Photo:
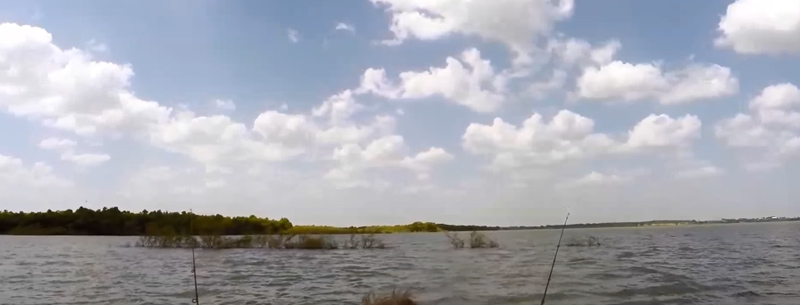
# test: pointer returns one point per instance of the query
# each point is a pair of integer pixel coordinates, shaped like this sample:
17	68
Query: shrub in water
370	242
456	241
479	240
307	242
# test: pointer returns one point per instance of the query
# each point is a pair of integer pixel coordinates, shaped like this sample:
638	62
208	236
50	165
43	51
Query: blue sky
243	119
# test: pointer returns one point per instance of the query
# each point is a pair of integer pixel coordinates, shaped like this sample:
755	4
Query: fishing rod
196	299
554	259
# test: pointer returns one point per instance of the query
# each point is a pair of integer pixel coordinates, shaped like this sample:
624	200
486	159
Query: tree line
112	221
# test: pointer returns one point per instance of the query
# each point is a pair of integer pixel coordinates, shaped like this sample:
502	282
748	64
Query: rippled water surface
715	264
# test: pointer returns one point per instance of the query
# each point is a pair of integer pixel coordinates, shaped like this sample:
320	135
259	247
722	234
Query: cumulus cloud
67	149
574	51
66	89
761	27
26	186
663	131
771	126
596	178
620	81
57	144
523	20
568	136
14	173
87	159
469	81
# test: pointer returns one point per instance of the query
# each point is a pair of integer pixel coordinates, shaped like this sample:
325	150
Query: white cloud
67	149
345	27
620	81
57	144
293	35
699	172
778	105
65	89
382	153
772	126
596	178
522	20
571	137
423	162
340	108
14	173
277	127
540	89
761	27
225	105
743	130
567	136
98	47
664	131
212	140
470	82
85	159
573	51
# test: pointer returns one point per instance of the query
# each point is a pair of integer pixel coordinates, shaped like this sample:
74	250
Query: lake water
714	264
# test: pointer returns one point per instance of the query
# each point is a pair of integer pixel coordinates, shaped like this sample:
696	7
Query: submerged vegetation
302	242
476	240
588	241
329	230
395	298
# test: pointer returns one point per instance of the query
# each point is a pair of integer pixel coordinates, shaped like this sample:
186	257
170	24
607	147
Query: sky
358	112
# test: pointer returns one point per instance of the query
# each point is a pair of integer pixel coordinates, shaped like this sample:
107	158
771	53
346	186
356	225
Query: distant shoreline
639	224
115	222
